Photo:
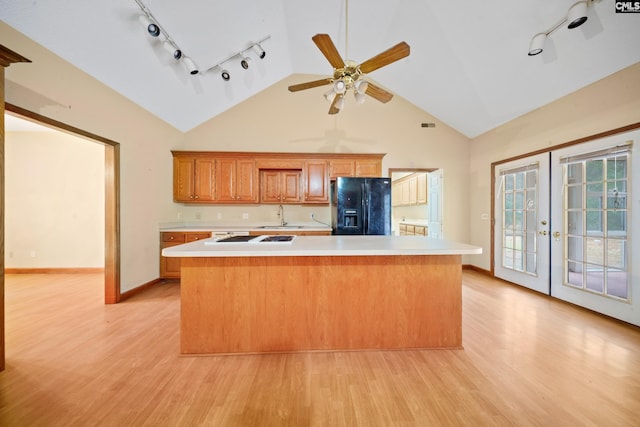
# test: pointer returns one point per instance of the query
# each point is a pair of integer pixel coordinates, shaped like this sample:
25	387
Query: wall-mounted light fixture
576	16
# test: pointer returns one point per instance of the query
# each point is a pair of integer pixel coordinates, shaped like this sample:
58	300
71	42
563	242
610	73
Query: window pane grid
519	221
595	226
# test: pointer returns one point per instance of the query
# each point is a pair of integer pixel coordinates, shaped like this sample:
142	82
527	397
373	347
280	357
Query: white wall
55	89
610	103
277	120
54	201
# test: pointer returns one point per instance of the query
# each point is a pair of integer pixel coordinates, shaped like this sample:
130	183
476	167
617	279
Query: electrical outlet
179	216
198	215
219	215
32	253
245	216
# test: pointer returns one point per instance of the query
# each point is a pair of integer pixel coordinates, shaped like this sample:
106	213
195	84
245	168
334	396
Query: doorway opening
416	201
111	196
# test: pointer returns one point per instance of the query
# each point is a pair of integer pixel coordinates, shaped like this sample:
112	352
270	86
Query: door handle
556	235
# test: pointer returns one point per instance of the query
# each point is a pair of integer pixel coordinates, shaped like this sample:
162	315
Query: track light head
260	50
537	44
577	14
190	65
244	62
153	30
172	49
225	75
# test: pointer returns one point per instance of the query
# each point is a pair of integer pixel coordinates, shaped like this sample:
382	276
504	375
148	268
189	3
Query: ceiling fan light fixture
340	103
577	14
330	95
359	96
361	86
537	44
339	86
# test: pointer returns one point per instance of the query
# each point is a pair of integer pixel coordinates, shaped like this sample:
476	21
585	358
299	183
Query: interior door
435	204
521	241
593	221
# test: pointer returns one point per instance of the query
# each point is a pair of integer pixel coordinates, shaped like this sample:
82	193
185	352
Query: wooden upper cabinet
369	168
316	181
193	179
236	180
237	177
361	167
280	186
340	167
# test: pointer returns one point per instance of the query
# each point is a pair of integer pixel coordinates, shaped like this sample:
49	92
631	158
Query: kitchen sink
280	227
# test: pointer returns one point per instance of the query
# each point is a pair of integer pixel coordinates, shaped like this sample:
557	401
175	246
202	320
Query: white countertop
325	246
238	228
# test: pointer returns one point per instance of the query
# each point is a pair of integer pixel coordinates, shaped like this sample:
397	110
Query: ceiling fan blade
399	51
378	93
337	100
328	49
309	85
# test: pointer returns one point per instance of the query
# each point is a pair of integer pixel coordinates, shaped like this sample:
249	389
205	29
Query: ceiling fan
348	75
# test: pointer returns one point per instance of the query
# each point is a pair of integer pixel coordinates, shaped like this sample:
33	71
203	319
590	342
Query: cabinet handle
171	238
197	197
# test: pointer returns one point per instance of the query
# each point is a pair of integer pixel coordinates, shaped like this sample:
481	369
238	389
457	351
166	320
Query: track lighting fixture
576	16
244	62
260	50
190	66
154	29
172	49
537	44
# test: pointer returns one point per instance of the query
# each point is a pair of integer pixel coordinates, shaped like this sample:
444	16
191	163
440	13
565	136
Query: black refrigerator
361	206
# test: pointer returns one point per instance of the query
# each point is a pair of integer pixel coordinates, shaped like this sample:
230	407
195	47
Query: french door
575	242
595	186
521	238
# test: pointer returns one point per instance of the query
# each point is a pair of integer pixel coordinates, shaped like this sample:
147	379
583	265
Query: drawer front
192	237
171	236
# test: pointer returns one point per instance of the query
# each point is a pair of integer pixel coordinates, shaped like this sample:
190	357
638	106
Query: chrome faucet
281	215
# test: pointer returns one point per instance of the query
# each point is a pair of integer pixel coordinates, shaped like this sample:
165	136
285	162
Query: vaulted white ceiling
468	65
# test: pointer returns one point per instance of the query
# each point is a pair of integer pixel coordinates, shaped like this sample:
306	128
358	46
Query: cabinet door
290	186
339	167
205	178
406	192
422	188
368	168
183	177
413	190
316	182
269	187
225	180
246	190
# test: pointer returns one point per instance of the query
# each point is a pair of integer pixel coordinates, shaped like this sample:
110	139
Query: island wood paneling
279	304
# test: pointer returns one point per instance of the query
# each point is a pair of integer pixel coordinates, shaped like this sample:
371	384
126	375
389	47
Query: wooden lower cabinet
170	266
413	230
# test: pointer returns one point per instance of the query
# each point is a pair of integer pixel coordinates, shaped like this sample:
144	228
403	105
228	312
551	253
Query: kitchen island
320	293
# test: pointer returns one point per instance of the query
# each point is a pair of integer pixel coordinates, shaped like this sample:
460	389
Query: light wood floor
528	360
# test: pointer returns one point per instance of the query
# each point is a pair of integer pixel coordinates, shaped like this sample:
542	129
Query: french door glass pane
595	218
519	224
